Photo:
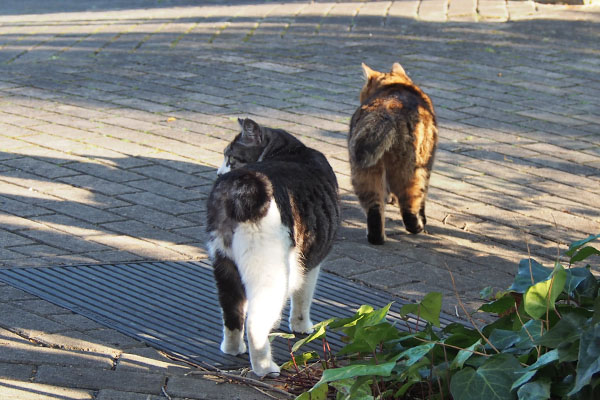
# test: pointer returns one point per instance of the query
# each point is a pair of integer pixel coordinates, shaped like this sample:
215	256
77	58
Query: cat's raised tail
373	135
244	195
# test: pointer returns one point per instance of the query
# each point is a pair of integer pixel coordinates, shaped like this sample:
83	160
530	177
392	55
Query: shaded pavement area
114	115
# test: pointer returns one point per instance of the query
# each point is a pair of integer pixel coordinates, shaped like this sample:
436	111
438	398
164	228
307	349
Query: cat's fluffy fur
392	141
272	216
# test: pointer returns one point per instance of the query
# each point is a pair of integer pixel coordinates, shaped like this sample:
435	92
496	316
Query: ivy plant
544	344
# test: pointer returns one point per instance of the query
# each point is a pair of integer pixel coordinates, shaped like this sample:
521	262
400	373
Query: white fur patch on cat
224	168
262	254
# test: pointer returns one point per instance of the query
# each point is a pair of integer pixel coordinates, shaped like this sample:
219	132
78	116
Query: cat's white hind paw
301	325
271	369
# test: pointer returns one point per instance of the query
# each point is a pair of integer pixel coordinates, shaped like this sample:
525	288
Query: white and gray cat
273	214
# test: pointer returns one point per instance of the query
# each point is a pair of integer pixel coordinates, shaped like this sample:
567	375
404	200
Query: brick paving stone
26	323
97	378
18	372
111	394
21	351
11	389
198	388
147	359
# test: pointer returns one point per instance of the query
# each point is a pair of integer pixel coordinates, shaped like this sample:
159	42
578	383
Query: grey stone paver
114	115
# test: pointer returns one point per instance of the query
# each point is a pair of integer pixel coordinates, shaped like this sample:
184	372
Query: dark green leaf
377	334
499	306
574	278
567	330
530	371
589	357
531	329
583	254
316	393
530	272
491	381
575	245
536	390
464	354
414	354
568	352
596	317
350	389
503	339
354	370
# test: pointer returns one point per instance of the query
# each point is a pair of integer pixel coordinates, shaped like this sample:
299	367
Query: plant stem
462	306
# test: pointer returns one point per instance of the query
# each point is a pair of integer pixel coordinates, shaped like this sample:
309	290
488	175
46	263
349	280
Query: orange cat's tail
370	137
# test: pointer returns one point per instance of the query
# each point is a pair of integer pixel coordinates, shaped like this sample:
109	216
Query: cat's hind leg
411	192
262	253
232	298
301	301
371	191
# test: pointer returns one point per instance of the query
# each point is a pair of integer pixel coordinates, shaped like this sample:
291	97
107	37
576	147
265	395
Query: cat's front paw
303	325
271	369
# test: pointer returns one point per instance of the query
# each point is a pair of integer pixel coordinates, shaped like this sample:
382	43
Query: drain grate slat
173	306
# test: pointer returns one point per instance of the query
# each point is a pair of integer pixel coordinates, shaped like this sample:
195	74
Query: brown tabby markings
392	141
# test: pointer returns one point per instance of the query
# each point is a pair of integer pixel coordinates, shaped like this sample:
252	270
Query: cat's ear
251	132
368	72
397	69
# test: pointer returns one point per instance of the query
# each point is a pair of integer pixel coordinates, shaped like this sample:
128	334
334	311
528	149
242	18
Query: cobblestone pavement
114	114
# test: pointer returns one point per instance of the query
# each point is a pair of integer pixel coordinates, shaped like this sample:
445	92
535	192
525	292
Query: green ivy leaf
575	276
376	316
589	358
567	330
350	389
428	309
583	254
377	334
414	354
411	308
354	370
318	333
575	245
499	306
431	306
464	354
596	317
530	371
315	393
503	339
283	335
536	390
542	296
568	352
523	280
532	329
491	381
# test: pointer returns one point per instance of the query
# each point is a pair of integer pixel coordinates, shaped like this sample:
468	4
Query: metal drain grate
173	306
